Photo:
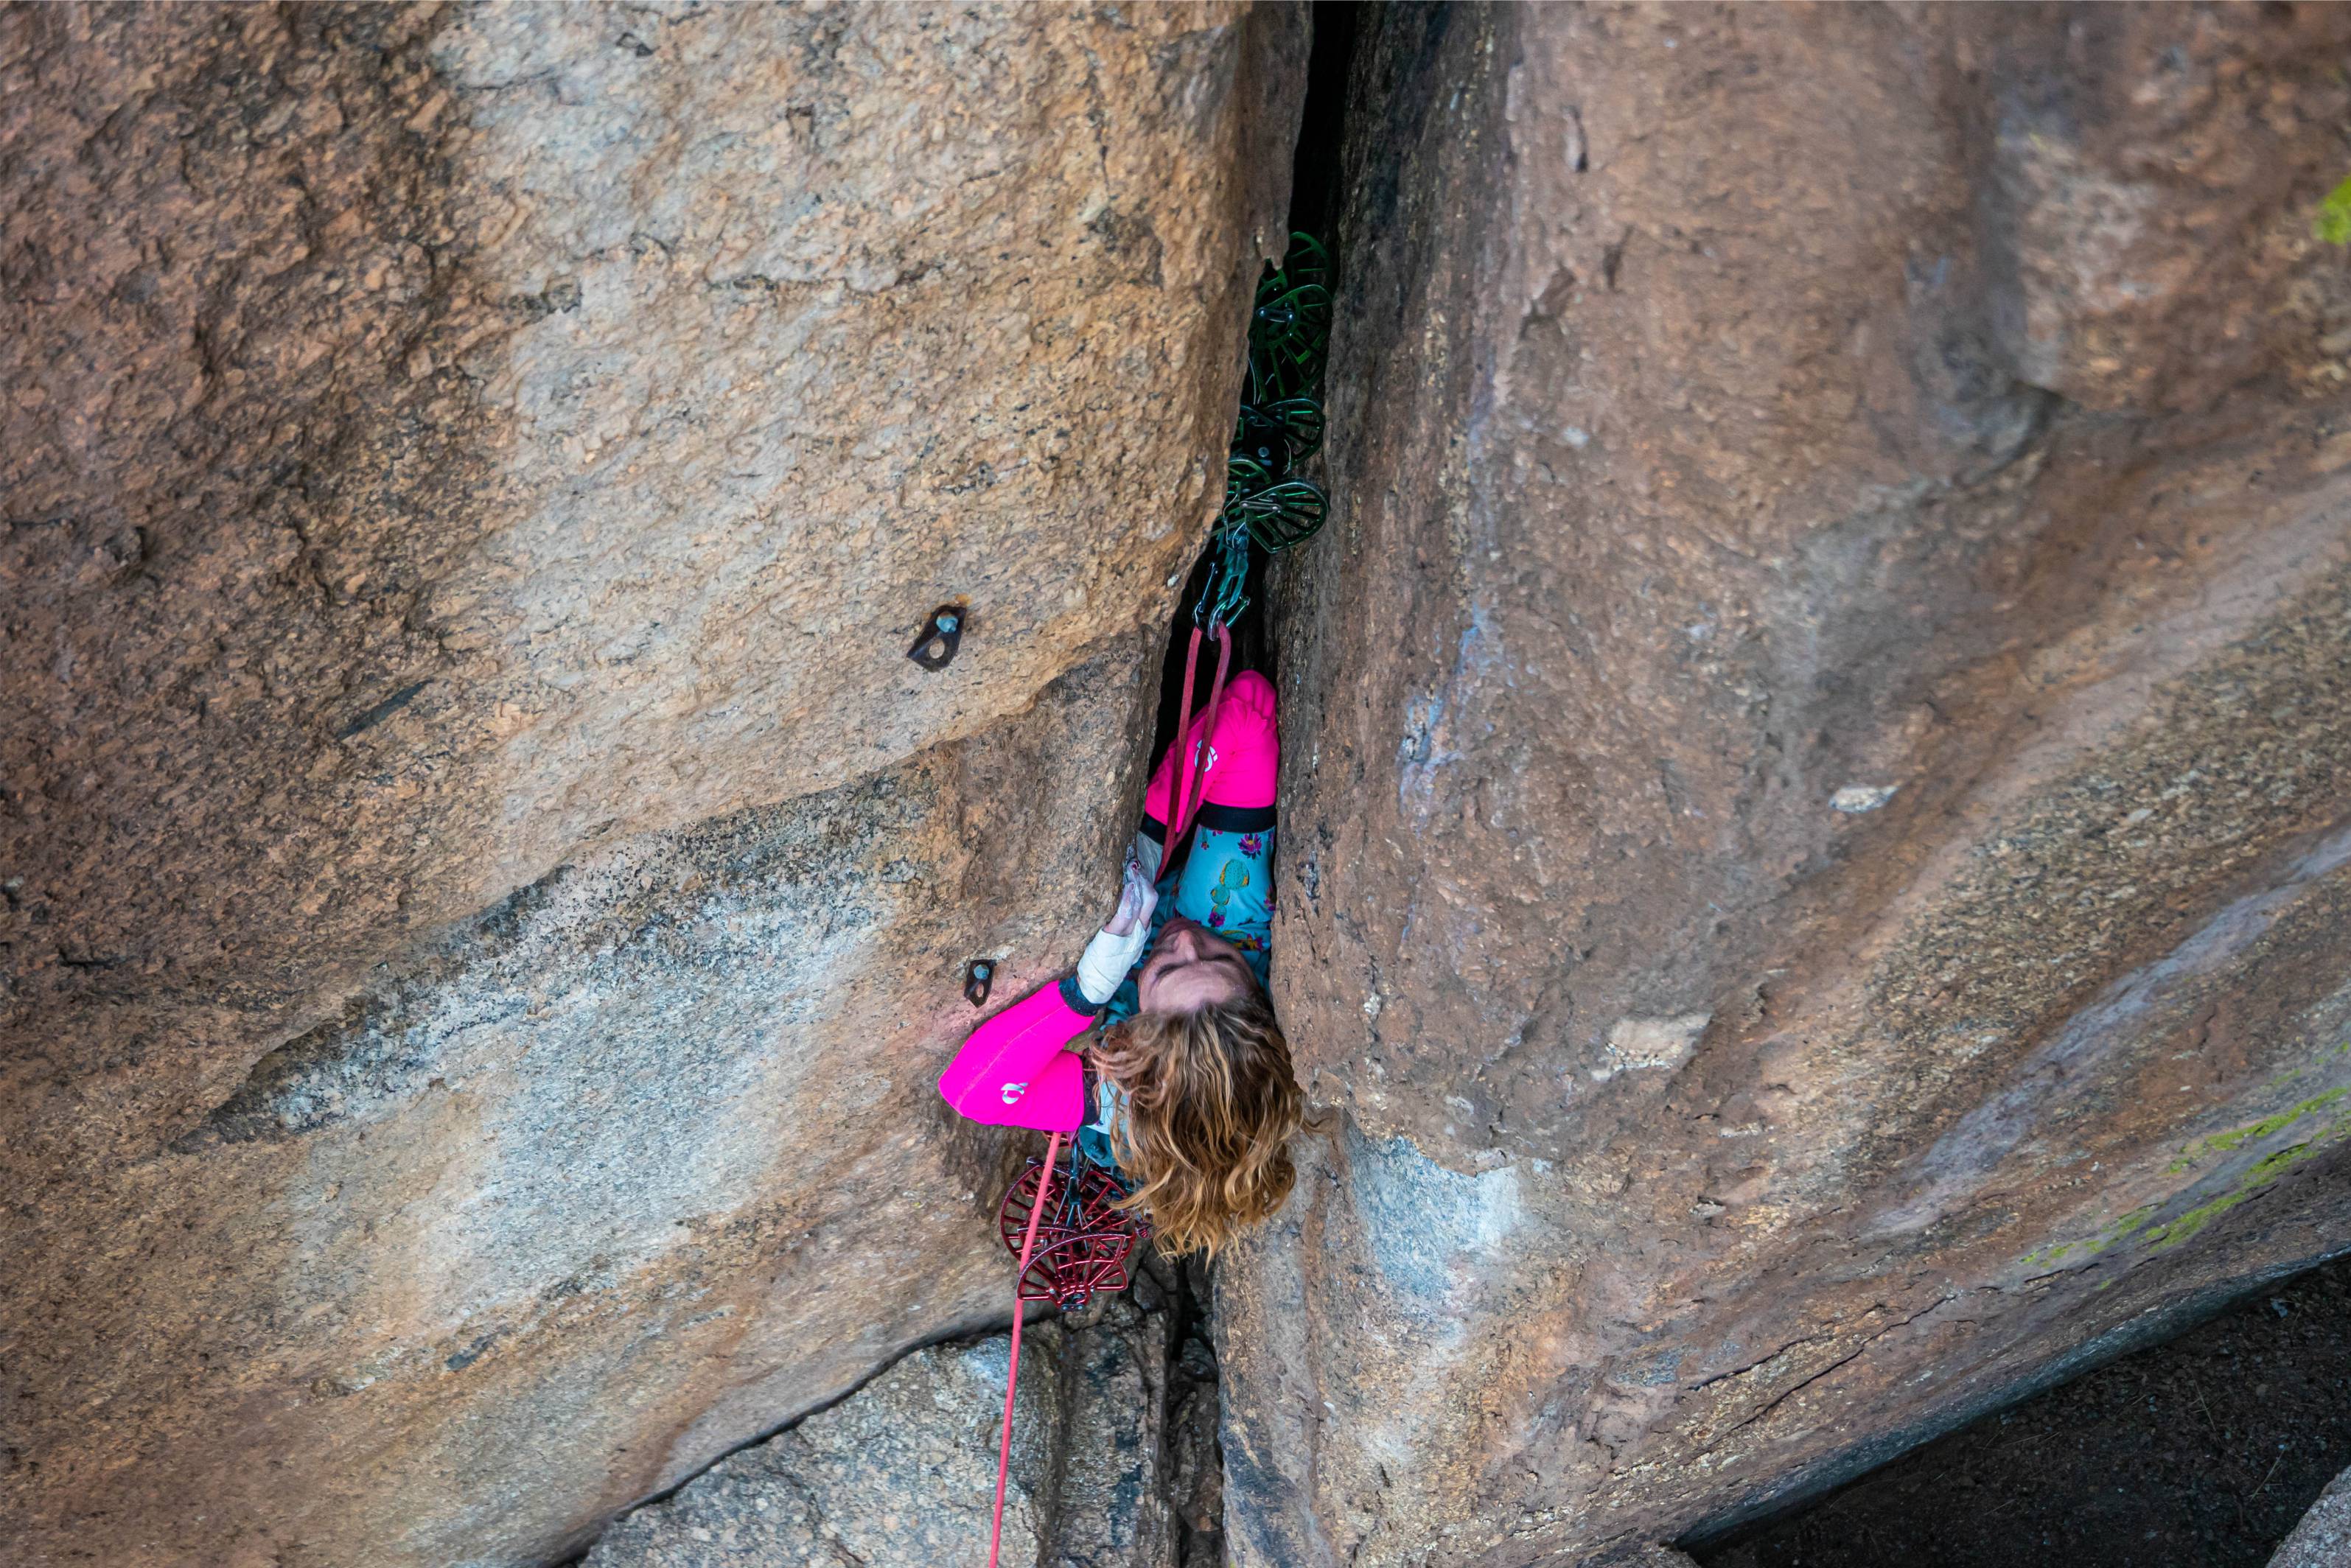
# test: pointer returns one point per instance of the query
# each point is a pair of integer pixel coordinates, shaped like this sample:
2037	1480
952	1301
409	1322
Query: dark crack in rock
903	1470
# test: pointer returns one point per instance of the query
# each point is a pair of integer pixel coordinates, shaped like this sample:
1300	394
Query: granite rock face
903	1470
2323	1539
486	893
1818	754
1817	740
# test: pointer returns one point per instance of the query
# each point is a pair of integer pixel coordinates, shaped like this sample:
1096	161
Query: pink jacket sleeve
1016	1071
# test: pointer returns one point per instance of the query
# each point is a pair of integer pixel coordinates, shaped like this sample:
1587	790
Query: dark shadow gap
2203	1450
1315	204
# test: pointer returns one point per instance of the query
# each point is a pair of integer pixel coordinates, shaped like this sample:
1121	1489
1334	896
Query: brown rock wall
1815	832
485	889
1812	873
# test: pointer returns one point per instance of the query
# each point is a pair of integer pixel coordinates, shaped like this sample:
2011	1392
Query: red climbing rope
1183	728
1012	1374
1192	767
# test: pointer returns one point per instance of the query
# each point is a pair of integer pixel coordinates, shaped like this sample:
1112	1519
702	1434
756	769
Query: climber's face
1191	969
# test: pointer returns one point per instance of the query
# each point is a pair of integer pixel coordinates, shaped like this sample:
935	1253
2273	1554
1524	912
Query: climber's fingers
1136	900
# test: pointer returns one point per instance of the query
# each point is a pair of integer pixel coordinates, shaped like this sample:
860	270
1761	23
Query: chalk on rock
1855	798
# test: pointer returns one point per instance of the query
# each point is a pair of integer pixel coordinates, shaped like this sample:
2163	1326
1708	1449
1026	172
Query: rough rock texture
485	890
1819	779
1640	1554
1195	1464
1819	753
903	1470
1112	1508
2323	1539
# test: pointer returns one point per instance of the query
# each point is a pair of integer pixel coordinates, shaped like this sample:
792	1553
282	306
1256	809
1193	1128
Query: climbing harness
1076	1241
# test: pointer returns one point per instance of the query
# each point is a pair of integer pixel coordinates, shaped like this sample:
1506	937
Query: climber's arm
1015	1069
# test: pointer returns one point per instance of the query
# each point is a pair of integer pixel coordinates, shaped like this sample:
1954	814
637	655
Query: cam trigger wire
1226	594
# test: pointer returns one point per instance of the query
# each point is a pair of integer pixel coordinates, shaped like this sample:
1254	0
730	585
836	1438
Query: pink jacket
1016	1069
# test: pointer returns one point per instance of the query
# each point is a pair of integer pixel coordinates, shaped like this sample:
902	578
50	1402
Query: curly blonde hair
1211	1104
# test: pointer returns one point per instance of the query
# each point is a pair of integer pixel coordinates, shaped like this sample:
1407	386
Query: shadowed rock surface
486	893
2206	1450
1816	754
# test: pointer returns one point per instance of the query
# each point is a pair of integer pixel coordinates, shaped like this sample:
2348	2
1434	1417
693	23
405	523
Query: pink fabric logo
1012	1092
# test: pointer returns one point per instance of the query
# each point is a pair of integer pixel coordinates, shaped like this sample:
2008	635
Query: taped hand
1118	945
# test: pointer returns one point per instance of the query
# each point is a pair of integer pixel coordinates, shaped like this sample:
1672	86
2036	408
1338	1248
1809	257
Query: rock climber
1186	1090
